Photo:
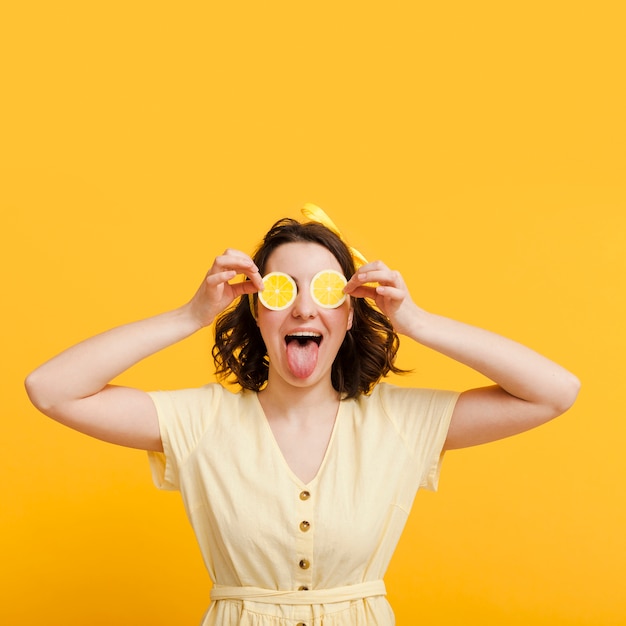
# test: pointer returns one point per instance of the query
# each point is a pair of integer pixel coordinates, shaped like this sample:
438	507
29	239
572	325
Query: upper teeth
304	334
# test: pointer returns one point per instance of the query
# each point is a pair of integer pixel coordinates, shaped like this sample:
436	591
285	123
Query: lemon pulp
327	289
280	291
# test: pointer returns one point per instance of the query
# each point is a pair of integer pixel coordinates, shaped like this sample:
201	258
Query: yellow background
479	147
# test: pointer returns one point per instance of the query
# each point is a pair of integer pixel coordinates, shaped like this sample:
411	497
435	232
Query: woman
299	485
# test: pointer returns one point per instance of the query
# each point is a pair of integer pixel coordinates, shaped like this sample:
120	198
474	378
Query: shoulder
412	412
417	418
209	399
187	415
396	400
210	391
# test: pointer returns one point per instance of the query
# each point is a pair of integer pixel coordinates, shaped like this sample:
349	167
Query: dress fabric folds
282	552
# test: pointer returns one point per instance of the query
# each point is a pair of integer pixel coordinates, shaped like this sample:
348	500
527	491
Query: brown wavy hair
368	351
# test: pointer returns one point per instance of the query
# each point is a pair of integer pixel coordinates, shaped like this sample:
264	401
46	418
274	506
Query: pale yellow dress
281	552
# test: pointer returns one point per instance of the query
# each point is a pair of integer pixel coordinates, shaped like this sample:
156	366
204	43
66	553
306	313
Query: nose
304	307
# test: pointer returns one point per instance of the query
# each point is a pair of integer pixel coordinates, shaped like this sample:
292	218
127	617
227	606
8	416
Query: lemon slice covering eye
280	291
327	289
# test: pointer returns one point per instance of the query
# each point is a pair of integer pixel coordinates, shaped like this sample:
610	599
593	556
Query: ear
350	317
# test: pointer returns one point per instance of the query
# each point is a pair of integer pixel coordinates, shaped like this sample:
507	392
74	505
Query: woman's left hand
387	289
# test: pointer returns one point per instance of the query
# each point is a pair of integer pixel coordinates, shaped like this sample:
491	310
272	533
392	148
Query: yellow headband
315	214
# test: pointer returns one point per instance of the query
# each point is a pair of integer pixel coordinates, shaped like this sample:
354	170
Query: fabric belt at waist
312	596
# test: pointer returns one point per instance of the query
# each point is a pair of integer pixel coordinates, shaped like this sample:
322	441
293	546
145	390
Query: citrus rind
327	289
280	291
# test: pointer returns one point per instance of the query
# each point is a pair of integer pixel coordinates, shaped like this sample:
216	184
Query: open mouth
302	352
303	338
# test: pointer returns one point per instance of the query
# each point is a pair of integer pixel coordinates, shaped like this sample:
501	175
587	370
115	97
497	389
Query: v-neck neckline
277	449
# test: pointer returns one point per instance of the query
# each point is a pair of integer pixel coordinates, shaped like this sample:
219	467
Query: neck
282	399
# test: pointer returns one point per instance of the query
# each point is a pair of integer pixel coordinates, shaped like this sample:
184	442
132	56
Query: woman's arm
73	387
529	389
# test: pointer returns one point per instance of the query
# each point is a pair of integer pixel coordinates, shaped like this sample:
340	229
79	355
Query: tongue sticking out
302	357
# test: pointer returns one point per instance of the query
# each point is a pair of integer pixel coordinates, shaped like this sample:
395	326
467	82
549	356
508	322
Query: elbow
31	386
567	395
37	394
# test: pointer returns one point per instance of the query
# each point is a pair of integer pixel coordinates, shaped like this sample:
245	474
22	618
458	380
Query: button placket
303	527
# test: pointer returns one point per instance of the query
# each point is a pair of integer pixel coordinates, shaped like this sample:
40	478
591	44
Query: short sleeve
422	418
184	416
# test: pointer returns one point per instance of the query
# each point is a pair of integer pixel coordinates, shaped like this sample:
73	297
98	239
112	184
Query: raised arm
73	387
529	389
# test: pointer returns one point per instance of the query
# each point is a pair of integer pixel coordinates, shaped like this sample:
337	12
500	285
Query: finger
363	291
244	288
392	293
239	262
234	262
382	277
255	279
374	265
358	279
217	278
254	284
235	252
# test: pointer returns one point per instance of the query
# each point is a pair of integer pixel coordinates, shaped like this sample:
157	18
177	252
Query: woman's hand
529	389
74	387
216	293
388	290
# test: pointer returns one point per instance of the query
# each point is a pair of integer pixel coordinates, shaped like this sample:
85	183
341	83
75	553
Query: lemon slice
280	291
327	289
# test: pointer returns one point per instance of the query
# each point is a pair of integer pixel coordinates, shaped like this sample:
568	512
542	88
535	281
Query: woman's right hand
216	292
74	387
